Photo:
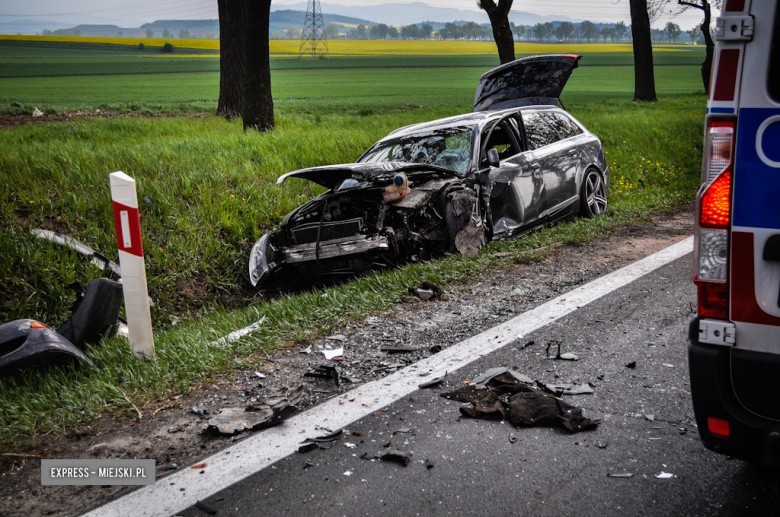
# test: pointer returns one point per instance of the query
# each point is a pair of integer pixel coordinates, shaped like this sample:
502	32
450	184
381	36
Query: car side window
502	139
565	126
539	131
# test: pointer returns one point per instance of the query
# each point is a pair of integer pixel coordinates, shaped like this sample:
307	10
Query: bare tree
644	76
502	31
709	45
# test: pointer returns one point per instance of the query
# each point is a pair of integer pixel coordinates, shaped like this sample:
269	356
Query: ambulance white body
734	349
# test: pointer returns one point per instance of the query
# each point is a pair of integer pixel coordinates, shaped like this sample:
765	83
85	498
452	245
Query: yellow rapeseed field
361	47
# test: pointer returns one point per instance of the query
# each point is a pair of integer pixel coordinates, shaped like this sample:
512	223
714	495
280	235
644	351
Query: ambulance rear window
773	74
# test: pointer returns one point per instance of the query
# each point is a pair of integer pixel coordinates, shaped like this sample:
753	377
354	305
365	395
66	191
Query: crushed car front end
362	224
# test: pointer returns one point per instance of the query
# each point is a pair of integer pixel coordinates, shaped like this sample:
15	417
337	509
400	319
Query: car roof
478	119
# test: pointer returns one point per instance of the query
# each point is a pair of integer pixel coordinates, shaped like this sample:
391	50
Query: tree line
549	32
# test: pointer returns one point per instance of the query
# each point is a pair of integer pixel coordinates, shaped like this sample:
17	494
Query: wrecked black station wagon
449	185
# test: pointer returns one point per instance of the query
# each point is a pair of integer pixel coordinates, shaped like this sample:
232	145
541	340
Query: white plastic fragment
665	475
37	113
332	354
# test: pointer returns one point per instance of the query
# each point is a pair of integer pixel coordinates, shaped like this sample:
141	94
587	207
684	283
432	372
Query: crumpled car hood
331	176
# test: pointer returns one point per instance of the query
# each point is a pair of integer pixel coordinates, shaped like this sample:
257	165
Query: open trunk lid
524	82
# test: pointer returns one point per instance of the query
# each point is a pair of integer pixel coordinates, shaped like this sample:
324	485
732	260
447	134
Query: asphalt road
491	468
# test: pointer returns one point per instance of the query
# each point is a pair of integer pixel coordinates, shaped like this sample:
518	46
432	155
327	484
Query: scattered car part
27	343
94	257
400	457
506	398
313	443
95	313
270	412
426	291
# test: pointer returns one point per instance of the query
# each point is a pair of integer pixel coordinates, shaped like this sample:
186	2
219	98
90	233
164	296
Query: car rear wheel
593	194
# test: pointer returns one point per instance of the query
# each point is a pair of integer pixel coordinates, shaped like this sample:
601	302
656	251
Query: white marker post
131	260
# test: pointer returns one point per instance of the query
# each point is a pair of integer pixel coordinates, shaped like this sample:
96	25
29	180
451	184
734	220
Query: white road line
265	448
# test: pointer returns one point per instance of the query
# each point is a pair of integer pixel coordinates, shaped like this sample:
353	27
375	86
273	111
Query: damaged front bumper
264	259
28	343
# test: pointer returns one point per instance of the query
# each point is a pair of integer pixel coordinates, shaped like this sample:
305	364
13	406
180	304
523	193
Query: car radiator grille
307	233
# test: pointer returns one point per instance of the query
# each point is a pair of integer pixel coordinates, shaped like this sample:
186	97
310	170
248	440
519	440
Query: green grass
208	190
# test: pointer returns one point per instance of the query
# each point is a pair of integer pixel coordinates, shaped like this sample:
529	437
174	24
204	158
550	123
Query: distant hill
417	12
282	23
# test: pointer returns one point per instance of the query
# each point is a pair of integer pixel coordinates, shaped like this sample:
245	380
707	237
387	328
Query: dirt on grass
171	431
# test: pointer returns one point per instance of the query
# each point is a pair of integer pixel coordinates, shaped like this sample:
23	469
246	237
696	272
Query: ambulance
734	340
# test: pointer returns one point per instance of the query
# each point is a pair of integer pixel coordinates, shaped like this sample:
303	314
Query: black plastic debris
504	397
426	291
200	505
433	382
319	442
29	343
95	314
429	464
631	365
435	349
270	412
324	371
566	389
400	457
566	356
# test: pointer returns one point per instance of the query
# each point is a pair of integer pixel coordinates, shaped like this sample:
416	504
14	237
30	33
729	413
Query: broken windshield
448	148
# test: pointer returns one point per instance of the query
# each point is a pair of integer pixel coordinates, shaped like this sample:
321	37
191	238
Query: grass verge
207	190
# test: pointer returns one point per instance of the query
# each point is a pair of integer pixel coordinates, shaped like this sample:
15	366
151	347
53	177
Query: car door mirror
492	157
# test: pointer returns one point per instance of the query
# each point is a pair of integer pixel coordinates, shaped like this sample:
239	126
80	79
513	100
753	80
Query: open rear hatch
524	82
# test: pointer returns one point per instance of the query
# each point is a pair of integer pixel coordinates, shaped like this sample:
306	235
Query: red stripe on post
127	221
726	76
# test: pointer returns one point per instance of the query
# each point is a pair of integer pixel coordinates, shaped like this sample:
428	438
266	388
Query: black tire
593	194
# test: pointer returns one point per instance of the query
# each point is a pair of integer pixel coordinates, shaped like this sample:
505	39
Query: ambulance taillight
713	220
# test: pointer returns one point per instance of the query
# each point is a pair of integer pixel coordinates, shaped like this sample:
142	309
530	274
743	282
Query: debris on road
432	383
395	456
631	365
504	397
199	466
566	356
268	413
620	475
199	410
326	372
566	389
665	475
426	291
333	354
318	442
337	337
428	464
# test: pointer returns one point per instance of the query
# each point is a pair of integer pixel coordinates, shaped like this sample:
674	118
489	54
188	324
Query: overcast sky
132	13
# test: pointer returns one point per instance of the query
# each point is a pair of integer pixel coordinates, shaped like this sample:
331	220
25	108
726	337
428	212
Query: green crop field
207	191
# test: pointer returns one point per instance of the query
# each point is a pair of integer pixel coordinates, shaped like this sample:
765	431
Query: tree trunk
231	61
258	106
502	31
644	77
706	66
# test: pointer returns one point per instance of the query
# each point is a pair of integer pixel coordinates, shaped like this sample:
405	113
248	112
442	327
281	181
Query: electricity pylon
313	42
